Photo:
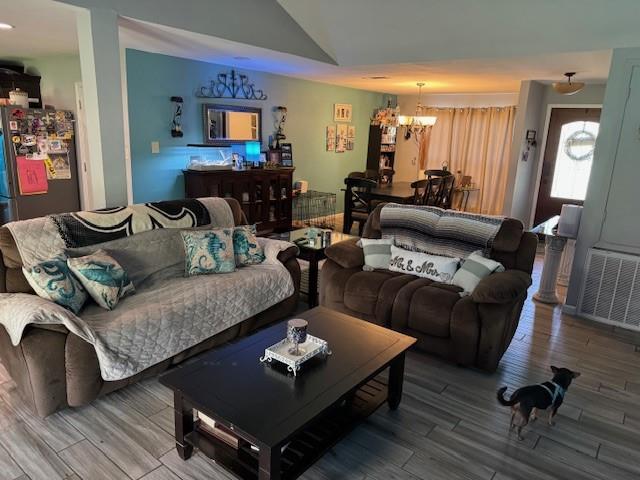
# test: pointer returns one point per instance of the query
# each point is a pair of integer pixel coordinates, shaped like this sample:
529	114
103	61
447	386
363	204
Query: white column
552	255
101	80
566	263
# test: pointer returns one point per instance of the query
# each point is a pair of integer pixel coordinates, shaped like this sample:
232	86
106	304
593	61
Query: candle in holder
297	334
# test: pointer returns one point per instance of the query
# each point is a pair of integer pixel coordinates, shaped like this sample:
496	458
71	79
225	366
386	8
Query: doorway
567	161
82	147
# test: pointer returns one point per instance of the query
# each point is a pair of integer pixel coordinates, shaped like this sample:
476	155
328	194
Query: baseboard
570	309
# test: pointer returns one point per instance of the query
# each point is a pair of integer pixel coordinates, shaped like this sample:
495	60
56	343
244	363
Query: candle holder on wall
176	123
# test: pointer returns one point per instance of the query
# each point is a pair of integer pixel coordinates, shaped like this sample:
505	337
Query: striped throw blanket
437	231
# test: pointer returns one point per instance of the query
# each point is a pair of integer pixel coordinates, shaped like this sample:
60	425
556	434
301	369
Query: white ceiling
456	76
42	27
478	52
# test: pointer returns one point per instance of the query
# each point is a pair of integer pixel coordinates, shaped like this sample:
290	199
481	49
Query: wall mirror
228	124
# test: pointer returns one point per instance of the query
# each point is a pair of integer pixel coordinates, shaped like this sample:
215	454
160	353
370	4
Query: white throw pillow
377	252
438	268
475	268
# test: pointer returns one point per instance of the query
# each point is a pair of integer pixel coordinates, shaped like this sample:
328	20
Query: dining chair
445	199
386	175
357	202
369	173
437	173
427	191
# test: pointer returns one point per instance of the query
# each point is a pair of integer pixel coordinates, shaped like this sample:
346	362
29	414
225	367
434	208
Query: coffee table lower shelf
307	446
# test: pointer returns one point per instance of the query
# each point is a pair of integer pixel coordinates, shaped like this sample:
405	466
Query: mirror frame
232	108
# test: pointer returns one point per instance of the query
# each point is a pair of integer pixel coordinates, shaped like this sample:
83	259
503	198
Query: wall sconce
280	115
530	138
176	123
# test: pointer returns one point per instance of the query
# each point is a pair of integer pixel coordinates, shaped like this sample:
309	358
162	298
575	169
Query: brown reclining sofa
54	368
473	330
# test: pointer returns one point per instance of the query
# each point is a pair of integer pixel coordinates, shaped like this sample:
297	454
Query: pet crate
314	209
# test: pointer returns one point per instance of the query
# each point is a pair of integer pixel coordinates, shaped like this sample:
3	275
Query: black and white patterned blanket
440	232
44	238
80	229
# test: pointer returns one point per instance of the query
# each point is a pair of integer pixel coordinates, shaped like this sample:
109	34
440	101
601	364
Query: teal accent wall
152	79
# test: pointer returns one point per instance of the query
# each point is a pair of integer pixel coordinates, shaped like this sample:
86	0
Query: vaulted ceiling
453	45
369	32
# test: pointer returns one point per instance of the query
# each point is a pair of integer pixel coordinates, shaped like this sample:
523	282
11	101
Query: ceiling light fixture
377	77
419	123
5	26
568	87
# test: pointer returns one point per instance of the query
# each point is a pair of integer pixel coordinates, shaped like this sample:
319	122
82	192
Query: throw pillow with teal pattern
54	281
246	248
208	251
103	277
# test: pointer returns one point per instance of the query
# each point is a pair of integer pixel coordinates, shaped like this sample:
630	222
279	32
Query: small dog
526	401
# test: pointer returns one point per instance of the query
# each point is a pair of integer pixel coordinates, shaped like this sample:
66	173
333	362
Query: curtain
476	142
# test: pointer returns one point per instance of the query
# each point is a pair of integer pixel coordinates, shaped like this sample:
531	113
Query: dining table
397	192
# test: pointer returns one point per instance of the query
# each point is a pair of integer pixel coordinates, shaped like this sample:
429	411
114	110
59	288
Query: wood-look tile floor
448	426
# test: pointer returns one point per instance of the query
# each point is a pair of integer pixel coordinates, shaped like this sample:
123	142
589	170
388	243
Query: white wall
611	218
260	23
59	74
407	150
522	168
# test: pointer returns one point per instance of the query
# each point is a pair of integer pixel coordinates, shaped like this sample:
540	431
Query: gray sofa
54	368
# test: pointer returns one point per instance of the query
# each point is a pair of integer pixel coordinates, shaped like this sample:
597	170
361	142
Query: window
574	160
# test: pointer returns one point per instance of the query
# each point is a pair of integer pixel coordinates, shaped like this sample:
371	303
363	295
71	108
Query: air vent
611	289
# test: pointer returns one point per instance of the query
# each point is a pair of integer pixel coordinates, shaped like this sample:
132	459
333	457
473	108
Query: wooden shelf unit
265	195
381	151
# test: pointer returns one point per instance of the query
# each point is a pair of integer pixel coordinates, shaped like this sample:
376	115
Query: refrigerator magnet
62	166
51	171
28	140
32	177
56	146
43	145
16	139
13	125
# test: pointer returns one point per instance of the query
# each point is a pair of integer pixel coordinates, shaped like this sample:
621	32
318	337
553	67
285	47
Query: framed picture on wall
274	158
341	139
286	155
331	138
342	112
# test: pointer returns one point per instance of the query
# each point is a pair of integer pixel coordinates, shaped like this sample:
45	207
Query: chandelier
416	124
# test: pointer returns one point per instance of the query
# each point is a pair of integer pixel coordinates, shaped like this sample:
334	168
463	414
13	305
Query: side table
312	247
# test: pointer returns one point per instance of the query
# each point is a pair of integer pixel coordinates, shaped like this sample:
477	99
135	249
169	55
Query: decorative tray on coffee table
309	349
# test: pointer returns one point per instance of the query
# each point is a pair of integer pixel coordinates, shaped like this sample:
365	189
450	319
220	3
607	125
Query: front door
567	160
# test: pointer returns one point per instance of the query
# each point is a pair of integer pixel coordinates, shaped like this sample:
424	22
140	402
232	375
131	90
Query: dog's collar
558	391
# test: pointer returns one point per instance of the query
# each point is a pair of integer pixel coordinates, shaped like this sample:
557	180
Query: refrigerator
38	167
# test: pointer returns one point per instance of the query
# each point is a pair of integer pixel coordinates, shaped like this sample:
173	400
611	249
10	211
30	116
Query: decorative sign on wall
342	112
351	136
341	138
231	85
331	138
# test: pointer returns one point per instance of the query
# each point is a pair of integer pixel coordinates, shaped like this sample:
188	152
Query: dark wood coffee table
291	420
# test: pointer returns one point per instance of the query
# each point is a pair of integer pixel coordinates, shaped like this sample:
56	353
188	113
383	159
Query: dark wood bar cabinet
265	194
